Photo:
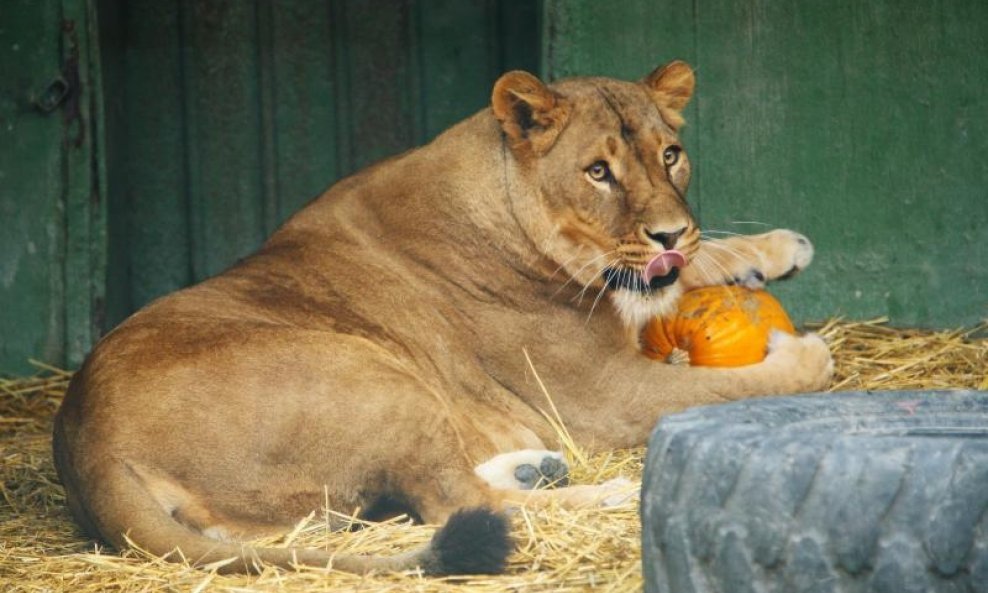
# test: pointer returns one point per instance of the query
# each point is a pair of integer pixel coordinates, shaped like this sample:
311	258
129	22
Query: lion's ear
671	87
531	114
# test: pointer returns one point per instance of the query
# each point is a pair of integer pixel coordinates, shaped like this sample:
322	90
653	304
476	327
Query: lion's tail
473	541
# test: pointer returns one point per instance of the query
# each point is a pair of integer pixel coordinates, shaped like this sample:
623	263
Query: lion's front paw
750	260
786	253
805	361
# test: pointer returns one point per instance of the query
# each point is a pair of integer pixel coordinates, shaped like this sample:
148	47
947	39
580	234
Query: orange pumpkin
719	326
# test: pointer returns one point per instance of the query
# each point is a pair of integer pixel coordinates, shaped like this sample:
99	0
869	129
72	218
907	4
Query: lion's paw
525	470
792	252
804	360
752	261
551	471
752	279
781	254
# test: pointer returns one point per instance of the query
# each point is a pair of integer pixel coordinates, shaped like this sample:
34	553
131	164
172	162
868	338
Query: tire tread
820	493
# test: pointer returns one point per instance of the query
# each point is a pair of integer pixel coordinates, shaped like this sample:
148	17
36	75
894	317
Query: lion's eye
671	155
599	171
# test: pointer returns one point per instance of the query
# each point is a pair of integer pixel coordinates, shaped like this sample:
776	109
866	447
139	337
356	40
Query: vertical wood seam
100	201
547	61
496	58
267	78
191	164
343	125
61	281
416	92
698	175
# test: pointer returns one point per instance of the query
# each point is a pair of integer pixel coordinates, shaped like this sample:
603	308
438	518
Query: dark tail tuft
473	541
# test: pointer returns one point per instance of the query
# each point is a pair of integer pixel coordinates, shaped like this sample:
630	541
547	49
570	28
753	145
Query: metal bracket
53	95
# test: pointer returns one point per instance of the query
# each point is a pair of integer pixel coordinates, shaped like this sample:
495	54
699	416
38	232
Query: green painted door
862	124
52	249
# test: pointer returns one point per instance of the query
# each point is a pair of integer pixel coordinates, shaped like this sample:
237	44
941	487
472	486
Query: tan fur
372	351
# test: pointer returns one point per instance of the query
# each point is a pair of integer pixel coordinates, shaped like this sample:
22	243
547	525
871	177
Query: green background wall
222	117
193	128
233	114
863	124
52	199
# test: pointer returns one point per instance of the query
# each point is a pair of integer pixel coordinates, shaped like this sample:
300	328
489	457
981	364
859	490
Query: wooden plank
223	147
31	187
149	222
459	61
381	118
853	122
84	198
302	89
463	46
518	36
52	267
111	36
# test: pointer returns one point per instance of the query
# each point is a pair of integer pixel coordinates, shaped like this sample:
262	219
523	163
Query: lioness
374	352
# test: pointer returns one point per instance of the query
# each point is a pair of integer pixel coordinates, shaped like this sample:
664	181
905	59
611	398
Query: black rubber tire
849	492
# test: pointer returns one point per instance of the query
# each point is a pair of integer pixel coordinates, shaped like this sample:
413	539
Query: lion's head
611	178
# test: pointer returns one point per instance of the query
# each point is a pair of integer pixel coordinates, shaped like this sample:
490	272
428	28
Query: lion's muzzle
644	282
662	265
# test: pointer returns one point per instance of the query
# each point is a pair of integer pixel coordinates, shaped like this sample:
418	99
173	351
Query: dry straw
557	550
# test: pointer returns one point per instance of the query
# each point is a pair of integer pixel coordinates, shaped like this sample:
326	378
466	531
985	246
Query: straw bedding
557	550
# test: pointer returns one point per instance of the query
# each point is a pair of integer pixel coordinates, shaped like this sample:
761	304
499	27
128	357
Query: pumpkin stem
678	357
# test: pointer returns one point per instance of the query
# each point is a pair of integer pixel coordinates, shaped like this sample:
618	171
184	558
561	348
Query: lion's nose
665	238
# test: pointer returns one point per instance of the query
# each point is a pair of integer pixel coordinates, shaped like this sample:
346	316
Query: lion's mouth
628	279
661	271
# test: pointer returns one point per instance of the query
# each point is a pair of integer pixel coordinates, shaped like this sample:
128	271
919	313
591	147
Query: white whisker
712	261
714	234
600	294
733	251
583	267
579	250
590	283
702	263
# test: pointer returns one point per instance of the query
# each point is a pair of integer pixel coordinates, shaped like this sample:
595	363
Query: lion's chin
637	308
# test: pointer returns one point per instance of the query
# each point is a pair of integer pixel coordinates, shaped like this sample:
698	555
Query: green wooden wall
229	115
52	205
220	118
192	128
862	123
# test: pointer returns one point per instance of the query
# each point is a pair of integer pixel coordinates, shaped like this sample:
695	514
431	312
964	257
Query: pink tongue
662	264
